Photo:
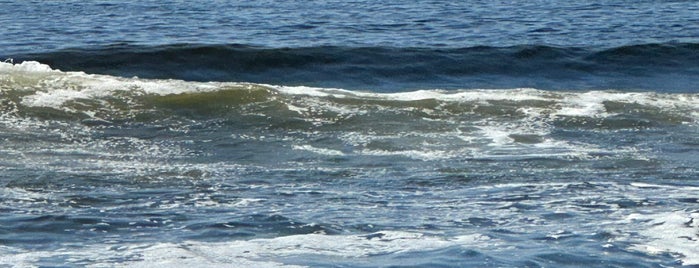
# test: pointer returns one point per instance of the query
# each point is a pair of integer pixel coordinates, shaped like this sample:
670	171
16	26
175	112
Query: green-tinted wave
35	90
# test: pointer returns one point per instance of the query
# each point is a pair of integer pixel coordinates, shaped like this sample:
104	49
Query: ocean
349	133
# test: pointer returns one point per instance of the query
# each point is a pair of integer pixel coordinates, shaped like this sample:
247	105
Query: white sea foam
589	104
312	91
60	87
670	232
251	253
425	155
321	151
520	94
497	135
90	87
26	66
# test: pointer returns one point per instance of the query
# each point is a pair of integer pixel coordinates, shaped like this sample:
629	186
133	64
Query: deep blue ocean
539	133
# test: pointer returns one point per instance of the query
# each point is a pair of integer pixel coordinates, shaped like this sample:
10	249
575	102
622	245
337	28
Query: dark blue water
654	67
350	134
41	26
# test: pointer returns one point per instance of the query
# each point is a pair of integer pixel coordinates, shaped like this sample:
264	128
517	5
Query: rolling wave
422	124
671	67
36	89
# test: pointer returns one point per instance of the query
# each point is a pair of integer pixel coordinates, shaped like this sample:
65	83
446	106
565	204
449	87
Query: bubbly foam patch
321	151
670	232
27	66
79	86
251	253
520	94
503	219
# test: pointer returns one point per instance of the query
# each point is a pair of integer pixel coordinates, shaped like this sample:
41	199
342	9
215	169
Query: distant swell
663	67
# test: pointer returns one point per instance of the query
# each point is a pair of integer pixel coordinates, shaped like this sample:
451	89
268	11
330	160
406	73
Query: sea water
349	134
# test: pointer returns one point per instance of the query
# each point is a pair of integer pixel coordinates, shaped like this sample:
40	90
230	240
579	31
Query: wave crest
32	86
666	67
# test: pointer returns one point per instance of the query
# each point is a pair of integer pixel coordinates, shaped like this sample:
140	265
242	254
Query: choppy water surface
353	134
100	169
